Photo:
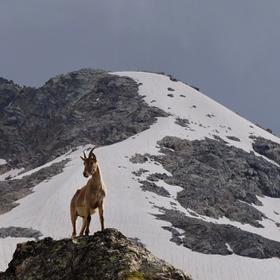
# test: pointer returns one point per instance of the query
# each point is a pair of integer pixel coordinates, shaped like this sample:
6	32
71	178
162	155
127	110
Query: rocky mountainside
81	107
217	181
193	181
86	106
106	255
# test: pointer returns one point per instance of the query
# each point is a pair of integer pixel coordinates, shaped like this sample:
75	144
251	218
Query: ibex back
87	199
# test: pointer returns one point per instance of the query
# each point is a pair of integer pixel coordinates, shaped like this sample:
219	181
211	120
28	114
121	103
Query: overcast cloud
230	49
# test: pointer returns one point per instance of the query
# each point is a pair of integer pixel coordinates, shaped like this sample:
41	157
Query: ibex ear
82	158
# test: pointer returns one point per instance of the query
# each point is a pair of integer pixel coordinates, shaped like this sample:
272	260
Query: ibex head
90	163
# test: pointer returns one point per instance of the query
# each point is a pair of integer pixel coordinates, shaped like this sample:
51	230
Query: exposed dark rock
194	87
157	176
138	158
218	180
233	138
81	107
267	148
12	190
106	255
170	95
210	238
173	79
182	122
19	232
140	171
210	116
218	138
137	241
152	187
170	89
149	185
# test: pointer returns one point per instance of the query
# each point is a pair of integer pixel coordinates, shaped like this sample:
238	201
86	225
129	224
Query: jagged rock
210	238
19	232
139	172
217	180
233	138
152	187
267	148
182	122
106	255
81	107
137	158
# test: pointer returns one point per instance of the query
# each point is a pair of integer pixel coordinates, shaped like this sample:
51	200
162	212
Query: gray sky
230	49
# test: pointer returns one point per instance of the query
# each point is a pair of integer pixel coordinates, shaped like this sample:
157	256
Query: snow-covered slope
132	210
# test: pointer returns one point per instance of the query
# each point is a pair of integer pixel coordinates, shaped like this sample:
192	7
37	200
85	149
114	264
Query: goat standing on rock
87	199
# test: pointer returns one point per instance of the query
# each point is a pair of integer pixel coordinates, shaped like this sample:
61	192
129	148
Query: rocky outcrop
85	106
106	255
17	232
211	238
267	148
218	180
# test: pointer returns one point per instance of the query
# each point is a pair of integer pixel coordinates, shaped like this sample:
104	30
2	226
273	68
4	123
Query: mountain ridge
192	180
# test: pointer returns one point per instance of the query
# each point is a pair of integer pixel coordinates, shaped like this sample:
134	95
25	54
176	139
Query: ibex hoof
75	240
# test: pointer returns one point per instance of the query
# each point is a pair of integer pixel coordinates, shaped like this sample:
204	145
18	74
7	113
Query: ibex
87	199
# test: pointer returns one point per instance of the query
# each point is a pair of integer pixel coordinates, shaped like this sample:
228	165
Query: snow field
130	209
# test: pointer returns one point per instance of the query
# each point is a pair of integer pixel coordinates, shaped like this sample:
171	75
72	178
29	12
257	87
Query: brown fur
87	199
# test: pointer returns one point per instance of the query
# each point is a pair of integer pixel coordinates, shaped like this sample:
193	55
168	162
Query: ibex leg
101	215
87	226
73	220
83	226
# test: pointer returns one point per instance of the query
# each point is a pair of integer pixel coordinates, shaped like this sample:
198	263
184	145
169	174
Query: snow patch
11	174
154	88
229	248
3	161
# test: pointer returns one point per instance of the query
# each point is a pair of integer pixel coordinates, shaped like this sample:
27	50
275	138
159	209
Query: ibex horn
90	153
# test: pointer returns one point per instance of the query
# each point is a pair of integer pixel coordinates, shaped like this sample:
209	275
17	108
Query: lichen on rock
106	255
